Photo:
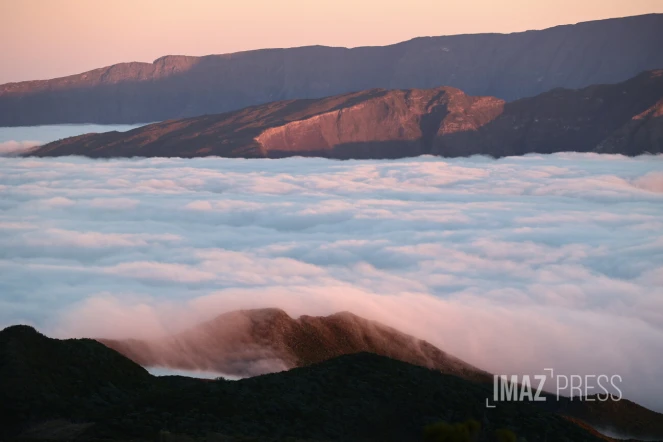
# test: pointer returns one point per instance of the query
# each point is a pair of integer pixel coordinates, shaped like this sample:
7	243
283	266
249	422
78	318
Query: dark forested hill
81	390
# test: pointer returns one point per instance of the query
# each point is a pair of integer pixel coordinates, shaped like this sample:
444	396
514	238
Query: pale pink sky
48	38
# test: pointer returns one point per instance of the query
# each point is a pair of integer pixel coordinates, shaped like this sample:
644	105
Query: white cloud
50	237
12	148
653	182
157	271
56	202
199	205
510	264
114	203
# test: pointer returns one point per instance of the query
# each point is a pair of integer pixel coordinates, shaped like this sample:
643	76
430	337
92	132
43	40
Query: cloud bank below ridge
512	265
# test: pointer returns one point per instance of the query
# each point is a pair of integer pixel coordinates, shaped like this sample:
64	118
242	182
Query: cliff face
369	124
621	118
643	133
507	66
389	125
251	342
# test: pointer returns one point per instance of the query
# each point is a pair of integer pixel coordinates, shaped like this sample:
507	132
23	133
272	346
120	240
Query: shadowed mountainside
42	378
508	66
617	118
252	342
78	389
599	118
642	133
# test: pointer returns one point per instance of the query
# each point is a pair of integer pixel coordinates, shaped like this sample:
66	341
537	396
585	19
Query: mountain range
624	118
81	389
507	66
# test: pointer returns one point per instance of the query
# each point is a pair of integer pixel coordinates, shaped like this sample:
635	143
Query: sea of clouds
513	265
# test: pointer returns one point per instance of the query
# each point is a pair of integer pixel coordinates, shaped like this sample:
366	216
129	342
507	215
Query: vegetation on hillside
82	390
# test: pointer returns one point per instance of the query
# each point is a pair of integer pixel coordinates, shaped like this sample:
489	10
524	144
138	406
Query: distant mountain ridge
253	342
624	118
508	66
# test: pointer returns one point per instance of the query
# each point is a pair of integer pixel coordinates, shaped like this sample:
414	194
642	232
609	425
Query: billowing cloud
12	147
114	203
652	181
514	264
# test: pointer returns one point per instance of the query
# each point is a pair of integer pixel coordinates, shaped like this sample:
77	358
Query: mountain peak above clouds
377	123
251	342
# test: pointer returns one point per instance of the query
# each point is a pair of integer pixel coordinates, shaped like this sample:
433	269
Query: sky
42	39
513	265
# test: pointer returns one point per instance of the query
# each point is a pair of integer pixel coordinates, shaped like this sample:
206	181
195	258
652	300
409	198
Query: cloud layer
512	265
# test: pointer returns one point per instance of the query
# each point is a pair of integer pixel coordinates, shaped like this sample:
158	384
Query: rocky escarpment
370	124
250	342
385	126
643	133
509	66
619	118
